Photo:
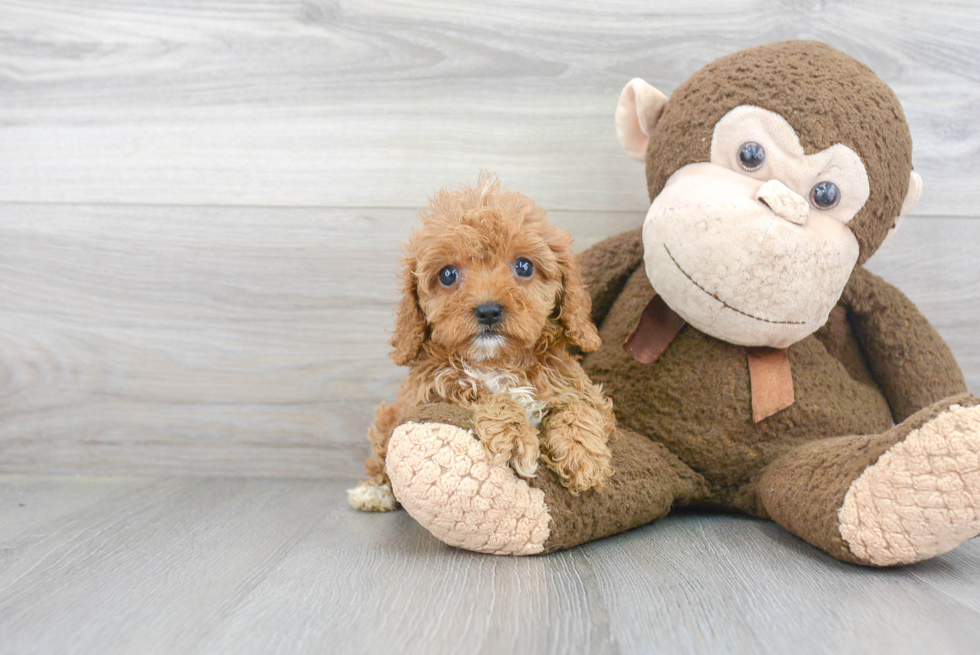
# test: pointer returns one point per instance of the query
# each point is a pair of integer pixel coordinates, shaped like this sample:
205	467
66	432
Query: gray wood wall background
201	201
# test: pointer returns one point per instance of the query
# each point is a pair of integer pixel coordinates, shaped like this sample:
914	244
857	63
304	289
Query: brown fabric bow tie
770	376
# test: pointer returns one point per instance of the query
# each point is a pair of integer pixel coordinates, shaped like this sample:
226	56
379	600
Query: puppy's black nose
489	313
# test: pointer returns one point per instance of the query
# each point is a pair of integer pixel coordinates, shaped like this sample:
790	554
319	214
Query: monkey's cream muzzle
745	260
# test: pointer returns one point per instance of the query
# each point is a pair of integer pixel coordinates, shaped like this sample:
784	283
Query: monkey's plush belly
696	398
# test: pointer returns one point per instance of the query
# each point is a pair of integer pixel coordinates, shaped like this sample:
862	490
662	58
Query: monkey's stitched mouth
725	304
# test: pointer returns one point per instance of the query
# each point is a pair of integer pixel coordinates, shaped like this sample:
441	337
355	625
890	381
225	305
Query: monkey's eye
448	276
751	156
523	268
824	195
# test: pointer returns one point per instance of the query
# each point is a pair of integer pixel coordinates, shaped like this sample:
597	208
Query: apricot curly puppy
492	300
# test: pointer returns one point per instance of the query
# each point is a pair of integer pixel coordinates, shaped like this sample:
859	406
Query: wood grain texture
199	565
254	340
375	104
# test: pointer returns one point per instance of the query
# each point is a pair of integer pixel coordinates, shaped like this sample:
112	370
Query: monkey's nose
784	202
488	313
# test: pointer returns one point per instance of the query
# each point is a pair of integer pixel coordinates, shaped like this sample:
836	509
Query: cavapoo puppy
492	300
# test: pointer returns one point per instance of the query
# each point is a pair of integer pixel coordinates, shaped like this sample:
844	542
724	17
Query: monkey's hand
575	440
502	426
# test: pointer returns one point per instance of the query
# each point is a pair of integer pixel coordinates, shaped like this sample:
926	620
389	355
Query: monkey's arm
908	358
606	266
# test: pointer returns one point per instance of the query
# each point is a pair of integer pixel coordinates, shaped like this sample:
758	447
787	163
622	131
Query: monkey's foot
922	497
443	476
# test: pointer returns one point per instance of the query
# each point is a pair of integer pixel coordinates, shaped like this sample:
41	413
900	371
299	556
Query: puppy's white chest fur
496	382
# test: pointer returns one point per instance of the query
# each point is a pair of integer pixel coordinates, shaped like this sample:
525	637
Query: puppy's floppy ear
410	327
575	304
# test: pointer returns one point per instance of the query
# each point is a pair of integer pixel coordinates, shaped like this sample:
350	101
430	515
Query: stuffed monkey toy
754	364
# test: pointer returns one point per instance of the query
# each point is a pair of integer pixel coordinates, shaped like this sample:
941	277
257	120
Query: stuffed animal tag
658	326
771	380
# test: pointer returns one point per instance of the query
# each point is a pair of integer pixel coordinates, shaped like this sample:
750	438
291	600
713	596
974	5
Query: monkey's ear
640	107
911	198
410	327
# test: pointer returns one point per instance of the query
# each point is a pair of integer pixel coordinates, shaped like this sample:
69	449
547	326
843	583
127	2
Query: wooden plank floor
222	565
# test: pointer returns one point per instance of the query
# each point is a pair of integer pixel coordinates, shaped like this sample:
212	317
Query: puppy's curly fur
530	397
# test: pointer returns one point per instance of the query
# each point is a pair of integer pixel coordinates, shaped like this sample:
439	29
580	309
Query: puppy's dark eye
751	156
448	276
523	268
824	195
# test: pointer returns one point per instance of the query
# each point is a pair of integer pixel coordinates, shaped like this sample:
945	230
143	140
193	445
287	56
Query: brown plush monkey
754	364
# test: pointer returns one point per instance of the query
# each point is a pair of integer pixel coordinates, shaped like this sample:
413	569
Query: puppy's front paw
575	448
509	439
580	470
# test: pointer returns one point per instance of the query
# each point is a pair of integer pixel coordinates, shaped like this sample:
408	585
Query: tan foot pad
922	497
443	477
